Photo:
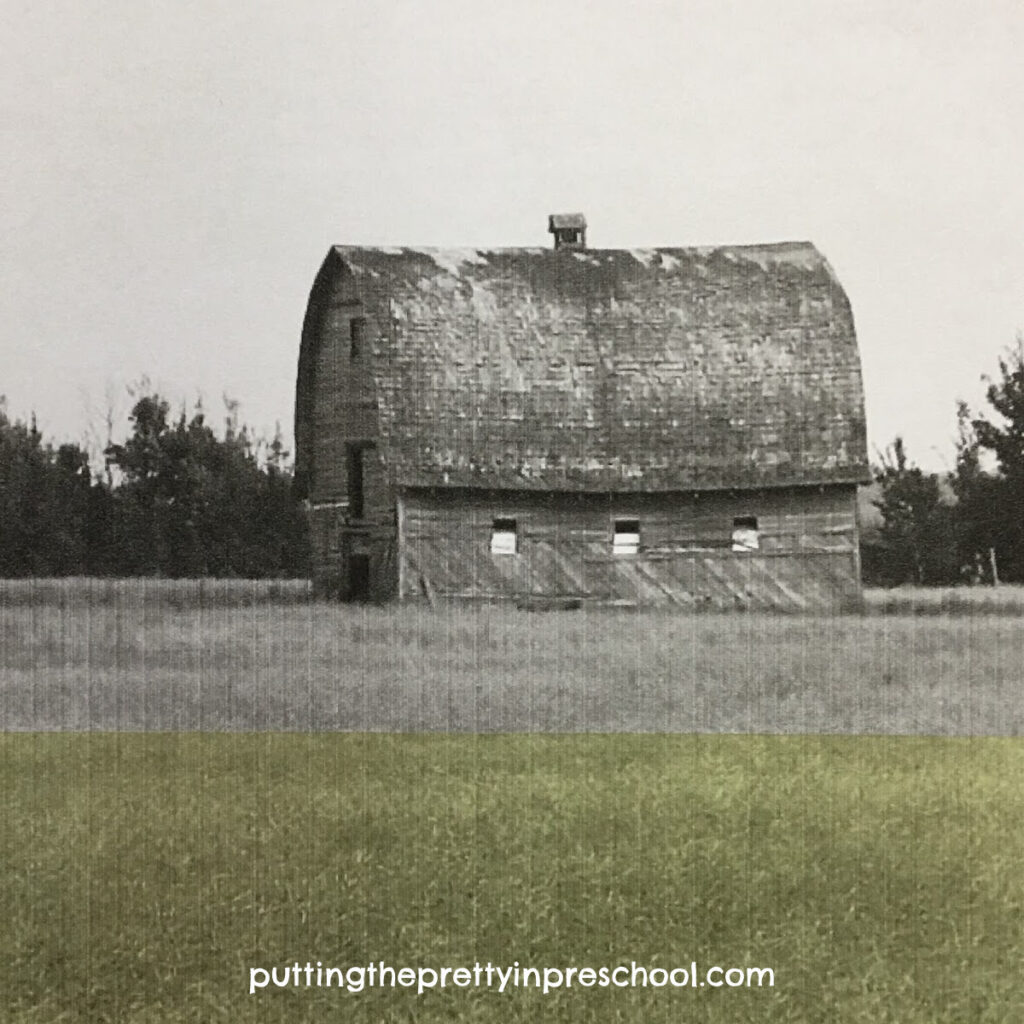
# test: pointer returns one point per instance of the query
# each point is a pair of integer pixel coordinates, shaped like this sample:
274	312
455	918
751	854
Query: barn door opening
358	578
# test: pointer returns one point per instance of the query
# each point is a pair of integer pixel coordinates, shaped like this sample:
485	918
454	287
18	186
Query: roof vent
569	229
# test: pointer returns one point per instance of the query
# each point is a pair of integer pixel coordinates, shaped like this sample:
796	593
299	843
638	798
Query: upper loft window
356	336
626	537
745	534
504	537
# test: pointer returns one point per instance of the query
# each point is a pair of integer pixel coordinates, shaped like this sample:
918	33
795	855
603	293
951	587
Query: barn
664	426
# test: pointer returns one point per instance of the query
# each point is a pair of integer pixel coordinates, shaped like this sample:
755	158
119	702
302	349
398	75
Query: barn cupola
569	229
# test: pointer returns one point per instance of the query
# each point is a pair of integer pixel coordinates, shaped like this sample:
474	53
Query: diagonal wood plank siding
807	559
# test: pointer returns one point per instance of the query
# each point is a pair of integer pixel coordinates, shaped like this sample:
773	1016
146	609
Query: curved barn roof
605	369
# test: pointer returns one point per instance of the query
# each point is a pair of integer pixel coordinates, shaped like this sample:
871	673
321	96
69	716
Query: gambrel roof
603	369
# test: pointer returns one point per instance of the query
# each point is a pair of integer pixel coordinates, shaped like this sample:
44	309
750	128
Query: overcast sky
175	170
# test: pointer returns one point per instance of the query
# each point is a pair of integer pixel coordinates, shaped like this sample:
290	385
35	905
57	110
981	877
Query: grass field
82	591
487	806
952	601
144	875
180	656
229	593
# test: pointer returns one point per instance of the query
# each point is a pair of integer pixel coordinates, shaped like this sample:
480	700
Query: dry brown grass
158	655
230	593
1001	600
186	593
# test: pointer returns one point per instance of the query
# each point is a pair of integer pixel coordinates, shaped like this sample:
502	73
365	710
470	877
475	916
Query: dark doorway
358	578
355	481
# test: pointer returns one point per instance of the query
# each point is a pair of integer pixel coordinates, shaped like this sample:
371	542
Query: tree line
175	498
967	525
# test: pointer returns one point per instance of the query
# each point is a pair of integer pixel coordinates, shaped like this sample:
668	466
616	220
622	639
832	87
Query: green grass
143	875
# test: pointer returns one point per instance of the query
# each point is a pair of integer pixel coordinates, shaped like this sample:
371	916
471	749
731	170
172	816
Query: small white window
626	539
503	537
745	536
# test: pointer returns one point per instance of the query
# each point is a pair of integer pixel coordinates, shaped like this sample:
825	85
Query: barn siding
807	557
343	403
344	414
336	536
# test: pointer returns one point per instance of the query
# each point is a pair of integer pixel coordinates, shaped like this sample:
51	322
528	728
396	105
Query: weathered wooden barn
677	426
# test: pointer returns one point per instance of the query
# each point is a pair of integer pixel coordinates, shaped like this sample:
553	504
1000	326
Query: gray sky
175	171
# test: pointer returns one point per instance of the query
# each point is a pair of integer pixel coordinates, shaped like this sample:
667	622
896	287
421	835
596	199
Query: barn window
357	335
745	535
626	538
504	539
